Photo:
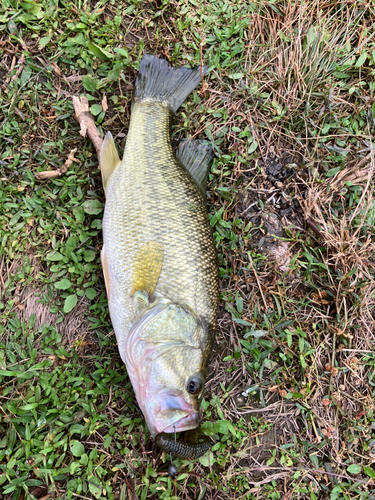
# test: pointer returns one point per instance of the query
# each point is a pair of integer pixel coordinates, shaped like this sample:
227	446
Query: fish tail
157	82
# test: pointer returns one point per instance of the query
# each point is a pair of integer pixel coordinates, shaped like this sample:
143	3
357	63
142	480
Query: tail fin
171	86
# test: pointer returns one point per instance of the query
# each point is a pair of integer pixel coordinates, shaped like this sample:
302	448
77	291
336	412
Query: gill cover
163	355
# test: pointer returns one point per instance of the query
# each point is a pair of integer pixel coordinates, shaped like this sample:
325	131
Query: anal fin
109	158
196	157
147	268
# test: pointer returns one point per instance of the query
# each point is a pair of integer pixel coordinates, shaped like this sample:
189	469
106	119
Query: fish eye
194	386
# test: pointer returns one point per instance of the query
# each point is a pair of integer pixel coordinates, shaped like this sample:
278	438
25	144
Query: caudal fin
156	81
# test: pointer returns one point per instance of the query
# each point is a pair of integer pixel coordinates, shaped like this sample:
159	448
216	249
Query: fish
158	256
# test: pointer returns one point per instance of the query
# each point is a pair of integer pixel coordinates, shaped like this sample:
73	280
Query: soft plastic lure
179	449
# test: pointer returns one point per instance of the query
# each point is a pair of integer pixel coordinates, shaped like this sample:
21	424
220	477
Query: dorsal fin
196	157
147	267
109	158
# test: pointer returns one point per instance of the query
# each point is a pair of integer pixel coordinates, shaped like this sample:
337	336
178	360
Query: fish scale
158	257
151	197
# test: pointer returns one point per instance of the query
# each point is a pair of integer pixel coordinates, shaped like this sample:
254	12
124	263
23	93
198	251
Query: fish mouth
172	413
182	423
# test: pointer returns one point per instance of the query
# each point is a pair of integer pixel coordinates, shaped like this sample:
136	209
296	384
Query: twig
80	496
259	285
20	67
87	123
7	79
356	350
318	438
314	228
52	174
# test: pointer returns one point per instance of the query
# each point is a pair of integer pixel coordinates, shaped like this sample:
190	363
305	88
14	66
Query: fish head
165	359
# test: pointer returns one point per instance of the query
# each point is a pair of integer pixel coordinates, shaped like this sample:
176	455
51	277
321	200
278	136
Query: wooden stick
88	127
87	123
52	174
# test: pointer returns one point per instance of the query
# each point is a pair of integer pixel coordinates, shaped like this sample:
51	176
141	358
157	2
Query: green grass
290	84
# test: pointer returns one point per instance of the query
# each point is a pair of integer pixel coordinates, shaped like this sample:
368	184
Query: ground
288	104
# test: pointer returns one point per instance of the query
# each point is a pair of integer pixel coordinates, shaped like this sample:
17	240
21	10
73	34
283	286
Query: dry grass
292	58
350	248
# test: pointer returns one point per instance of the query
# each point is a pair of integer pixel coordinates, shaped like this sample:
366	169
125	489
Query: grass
289	108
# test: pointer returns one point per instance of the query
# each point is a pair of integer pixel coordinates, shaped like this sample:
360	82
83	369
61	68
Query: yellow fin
147	267
109	158
103	258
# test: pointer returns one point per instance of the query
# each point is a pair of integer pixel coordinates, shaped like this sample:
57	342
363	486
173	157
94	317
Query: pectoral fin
103	258
109	158
147	267
196	157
